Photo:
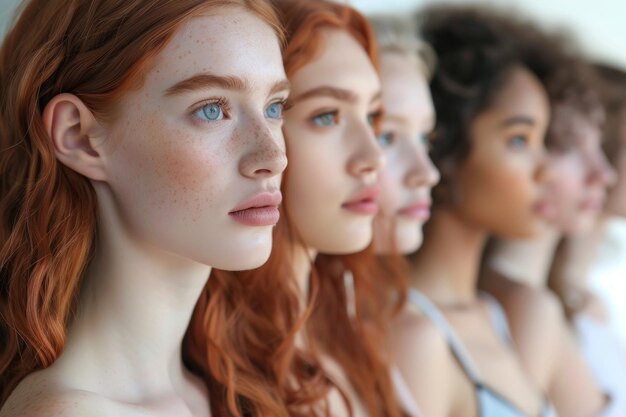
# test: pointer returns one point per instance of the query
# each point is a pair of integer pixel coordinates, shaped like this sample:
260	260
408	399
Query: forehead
522	94
404	86
340	61
231	41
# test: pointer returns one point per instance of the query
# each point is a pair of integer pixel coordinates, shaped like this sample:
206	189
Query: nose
422	172
543	168
266	157
367	158
602	172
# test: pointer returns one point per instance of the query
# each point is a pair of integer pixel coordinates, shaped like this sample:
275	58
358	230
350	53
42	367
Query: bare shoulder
414	333
425	361
39	396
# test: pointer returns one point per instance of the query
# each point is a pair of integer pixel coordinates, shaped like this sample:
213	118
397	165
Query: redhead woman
141	146
330	194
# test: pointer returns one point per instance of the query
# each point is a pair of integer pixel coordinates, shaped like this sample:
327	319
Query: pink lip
419	210
364	202
592	204
260	210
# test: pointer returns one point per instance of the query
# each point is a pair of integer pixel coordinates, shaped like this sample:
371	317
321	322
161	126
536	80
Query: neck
527	261
134	309
446	266
575	257
302	260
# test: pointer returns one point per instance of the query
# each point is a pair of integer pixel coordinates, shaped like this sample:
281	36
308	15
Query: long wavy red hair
265	324
96	50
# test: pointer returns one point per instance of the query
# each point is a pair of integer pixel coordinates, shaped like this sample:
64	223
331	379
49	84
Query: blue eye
326	119
211	112
518	142
385	139
274	111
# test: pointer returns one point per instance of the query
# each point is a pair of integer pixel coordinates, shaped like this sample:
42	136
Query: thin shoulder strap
498	317
432	312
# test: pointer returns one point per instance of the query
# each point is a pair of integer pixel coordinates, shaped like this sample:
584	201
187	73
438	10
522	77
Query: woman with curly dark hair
516	270
493	109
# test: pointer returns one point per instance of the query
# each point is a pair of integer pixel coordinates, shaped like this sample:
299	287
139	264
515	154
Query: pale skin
176	158
517	272
506	163
333	155
409	175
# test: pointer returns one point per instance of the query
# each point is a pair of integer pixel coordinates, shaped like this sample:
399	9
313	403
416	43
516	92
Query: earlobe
74	132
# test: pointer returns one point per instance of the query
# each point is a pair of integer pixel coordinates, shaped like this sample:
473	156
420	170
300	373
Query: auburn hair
266	323
97	50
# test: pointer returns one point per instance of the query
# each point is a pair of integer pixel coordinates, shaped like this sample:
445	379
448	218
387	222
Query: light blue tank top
490	402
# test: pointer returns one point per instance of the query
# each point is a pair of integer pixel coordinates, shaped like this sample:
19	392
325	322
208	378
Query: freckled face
334	159
200	138
408	175
500	186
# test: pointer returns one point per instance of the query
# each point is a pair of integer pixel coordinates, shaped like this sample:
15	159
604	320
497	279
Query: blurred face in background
331	187
616	200
409	175
499	187
580	173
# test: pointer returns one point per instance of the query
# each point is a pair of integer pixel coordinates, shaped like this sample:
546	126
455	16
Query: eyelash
333	113
225	107
516	145
222	102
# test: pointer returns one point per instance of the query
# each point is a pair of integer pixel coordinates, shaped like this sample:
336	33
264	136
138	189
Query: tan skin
516	273
505	163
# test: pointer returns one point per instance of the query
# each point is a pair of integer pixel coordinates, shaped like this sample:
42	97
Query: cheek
389	199
170	170
507	182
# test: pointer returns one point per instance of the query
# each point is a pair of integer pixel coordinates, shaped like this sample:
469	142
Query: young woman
330	191
492	112
579	177
406	181
141	146
569	276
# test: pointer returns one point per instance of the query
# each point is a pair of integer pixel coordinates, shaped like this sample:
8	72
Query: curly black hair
477	49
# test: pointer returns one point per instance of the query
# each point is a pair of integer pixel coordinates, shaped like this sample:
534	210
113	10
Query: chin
249	254
243	261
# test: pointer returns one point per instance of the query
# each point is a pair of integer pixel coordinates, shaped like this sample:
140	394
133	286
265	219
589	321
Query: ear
75	135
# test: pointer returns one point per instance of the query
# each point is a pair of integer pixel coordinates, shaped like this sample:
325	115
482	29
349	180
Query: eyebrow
333	92
430	121
204	81
518	120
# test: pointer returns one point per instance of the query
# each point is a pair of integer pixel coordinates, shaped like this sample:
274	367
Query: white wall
598	25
